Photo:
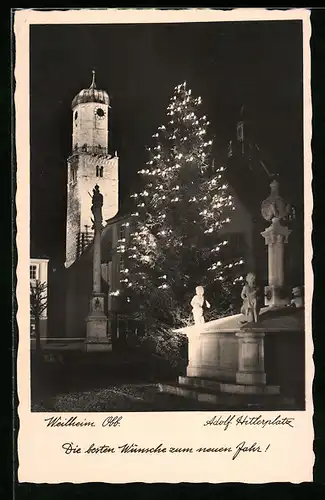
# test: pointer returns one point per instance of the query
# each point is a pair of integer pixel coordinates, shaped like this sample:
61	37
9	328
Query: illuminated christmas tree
175	241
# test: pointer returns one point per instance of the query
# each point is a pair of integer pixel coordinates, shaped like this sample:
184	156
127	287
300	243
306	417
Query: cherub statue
249	296
297	300
197	304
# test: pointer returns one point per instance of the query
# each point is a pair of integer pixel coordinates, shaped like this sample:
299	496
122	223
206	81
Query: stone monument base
253	365
276	296
210	393
97	338
97	326
97	347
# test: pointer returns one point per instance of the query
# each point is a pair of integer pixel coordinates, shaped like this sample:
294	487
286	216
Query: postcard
164	276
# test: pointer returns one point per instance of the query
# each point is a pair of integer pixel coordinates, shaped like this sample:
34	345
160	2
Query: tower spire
89	137
93	83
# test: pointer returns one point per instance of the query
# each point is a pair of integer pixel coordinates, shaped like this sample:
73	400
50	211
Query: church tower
89	164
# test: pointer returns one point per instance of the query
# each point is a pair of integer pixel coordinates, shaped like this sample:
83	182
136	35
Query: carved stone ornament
276	233
297	300
274	207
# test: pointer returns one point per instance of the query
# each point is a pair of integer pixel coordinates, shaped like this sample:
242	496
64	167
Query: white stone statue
249	296
297	300
197	304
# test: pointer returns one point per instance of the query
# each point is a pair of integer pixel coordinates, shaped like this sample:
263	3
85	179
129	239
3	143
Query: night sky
228	64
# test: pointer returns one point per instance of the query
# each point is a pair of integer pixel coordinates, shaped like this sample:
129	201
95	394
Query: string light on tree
181	209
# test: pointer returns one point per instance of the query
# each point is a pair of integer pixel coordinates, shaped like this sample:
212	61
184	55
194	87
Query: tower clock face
99	113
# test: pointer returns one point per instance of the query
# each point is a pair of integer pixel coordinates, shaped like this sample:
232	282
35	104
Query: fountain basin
264	359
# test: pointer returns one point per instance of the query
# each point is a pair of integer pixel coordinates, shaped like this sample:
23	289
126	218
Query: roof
92	94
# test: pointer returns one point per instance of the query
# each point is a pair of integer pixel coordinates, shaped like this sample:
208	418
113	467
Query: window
122	263
33	272
122	233
230	152
240	131
32	328
99	171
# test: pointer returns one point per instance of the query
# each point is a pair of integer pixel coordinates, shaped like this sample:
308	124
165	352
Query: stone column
250	358
275	237
194	367
97	261
97	332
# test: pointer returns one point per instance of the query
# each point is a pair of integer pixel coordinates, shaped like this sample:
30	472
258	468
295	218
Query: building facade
78	280
90	163
250	175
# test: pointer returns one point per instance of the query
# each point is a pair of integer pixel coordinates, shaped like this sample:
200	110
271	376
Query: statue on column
197	303
274	207
275	210
97	204
249	296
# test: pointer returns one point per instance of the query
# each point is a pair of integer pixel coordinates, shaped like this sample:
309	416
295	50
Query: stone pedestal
98	337
246	367
250	358
212	353
276	236
194	351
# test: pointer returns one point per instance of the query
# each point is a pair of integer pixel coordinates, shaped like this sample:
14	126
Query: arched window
99	171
